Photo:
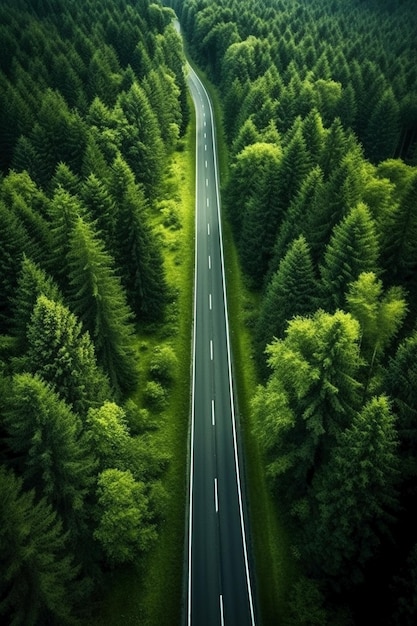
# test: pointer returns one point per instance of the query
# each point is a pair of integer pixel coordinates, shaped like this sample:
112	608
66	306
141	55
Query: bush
155	396
163	365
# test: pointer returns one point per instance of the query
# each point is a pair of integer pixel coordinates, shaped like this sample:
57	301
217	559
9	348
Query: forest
319	105
92	104
319	112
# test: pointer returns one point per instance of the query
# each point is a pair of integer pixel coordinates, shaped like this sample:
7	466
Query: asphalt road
219	582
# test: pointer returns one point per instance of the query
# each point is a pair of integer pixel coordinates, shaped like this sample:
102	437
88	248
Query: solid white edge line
242	523
221	611
191	483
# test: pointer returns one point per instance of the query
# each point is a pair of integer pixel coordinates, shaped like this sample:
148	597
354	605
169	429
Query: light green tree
124	528
309	399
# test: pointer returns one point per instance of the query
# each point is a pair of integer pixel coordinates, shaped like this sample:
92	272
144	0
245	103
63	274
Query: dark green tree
64	356
352	511
292	291
37	574
33	281
142	145
353	249
49	449
399	382
99	301
136	251
383	131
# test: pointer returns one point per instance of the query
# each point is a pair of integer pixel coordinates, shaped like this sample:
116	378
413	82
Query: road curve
219	587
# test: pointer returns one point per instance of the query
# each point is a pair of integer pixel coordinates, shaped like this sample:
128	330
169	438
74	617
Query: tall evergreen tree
141	139
64	356
50	449
292	291
37	574
399	382
353	249
33	281
99	301
352	511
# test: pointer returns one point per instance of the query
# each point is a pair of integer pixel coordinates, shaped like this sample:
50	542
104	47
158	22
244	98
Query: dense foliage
92	105
319	111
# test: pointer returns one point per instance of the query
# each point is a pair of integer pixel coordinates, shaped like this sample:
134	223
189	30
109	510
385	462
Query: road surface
219	584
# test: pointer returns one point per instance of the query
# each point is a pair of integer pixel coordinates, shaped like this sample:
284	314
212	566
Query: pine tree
37	574
352	510
64	211
399	383
50	450
295	223
64	356
141	143
99	301
400	236
100	207
353	249
383	130
33	281
292	291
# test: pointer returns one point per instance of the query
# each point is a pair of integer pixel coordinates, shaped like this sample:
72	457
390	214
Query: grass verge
150	593
275	569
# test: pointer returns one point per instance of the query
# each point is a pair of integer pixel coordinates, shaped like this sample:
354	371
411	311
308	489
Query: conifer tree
400	235
141	139
399	383
303	207
292	291
33	281
137	256
37	574
352	510
383	131
64	356
101	208
50	449
353	249
99	301
379	314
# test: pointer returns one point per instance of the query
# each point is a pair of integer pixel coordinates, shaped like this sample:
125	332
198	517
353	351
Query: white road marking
205	135
208	202
205	147
206	164
206	182
211	349
205	123
208	229
213	417
209	262
210	302
216	497
221	611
